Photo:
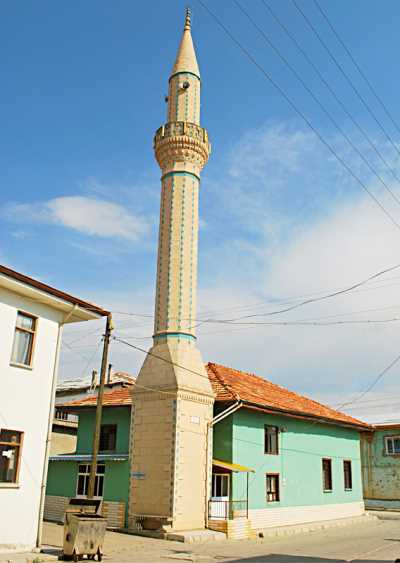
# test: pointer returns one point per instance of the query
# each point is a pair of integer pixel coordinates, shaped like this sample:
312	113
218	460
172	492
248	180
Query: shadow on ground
282	558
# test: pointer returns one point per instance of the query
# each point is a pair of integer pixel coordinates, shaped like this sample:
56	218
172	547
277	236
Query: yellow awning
232	466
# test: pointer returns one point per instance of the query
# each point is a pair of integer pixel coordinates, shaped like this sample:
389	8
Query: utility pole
99	407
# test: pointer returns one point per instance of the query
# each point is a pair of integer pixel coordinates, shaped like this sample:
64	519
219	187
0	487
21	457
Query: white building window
392	445
24	339
82	484
10	455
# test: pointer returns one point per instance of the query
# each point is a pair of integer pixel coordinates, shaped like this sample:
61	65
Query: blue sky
82	94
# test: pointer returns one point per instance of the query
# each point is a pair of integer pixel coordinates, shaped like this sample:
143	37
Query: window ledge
349	490
328	490
22	366
9	485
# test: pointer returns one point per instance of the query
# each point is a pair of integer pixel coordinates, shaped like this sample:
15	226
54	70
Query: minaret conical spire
186	60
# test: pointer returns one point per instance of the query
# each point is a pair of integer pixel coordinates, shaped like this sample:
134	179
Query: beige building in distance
173	399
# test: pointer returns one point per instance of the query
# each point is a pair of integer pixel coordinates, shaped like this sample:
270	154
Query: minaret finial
186	57
187	18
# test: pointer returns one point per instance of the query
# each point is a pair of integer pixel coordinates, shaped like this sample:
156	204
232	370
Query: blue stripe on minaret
184	72
183	335
179	173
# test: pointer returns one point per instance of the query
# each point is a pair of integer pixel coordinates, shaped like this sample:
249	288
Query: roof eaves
221	380
36	284
304	415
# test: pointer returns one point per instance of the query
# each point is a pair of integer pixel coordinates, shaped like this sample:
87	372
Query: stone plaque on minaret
173	398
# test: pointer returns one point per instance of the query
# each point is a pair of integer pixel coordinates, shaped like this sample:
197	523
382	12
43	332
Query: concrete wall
55	506
63	440
24	406
380	471
302	446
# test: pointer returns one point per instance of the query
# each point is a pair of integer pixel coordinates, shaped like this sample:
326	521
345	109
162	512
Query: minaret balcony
180	141
178	128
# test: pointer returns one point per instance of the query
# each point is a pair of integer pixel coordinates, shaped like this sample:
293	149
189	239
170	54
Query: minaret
173	398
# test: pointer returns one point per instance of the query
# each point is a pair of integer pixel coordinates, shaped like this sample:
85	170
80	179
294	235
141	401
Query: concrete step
196	536
316	526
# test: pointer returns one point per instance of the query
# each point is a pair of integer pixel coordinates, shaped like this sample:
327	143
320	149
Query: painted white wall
25	396
291	515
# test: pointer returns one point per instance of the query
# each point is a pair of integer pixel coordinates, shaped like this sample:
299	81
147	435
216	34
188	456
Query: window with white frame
392	445
82	483
24	339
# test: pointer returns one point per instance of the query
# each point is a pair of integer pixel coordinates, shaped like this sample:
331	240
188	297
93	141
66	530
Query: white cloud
87	215
292	223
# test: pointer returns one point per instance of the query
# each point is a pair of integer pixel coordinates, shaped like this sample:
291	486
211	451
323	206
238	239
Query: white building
32	315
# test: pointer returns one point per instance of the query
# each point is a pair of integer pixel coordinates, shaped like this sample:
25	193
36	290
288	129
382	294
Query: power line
351	402
292	299
348	79
300	113
286	309
382	104
281	301
253	326
317	101
373	384
332	91
324	297
312	323
159	358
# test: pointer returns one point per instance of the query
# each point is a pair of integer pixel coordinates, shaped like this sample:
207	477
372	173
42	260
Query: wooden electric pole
99	408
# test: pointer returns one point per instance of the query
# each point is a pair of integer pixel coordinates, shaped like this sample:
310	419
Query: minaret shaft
177	255
182	149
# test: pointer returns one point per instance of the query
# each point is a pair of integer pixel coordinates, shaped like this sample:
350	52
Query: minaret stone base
171	462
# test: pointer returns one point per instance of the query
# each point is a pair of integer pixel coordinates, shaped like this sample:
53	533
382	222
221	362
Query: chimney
109	374
93	383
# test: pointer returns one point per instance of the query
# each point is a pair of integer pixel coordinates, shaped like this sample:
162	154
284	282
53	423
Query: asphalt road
376	541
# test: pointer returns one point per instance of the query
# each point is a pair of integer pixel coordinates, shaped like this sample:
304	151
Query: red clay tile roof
232	385
116	398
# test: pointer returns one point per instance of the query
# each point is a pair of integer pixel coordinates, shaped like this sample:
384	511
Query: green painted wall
62	475
222	436
116	483
381	472
110	415
61	478
299	462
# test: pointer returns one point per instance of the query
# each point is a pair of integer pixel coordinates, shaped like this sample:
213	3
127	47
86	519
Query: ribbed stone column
173	399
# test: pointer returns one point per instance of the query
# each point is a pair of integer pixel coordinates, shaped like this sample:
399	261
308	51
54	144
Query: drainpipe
50	427
230	410
236	406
